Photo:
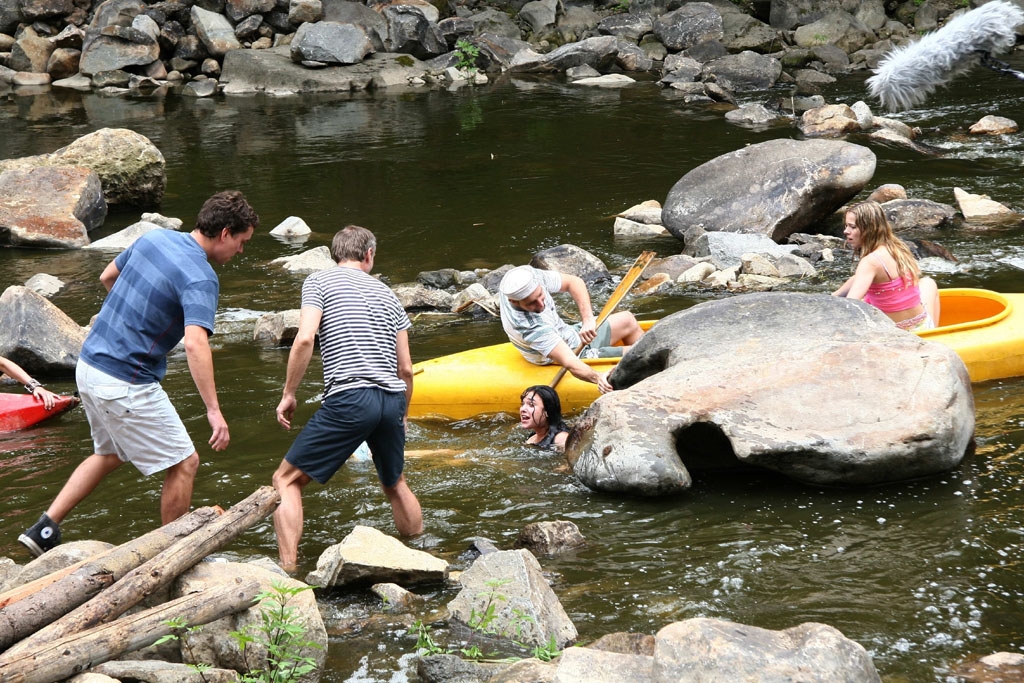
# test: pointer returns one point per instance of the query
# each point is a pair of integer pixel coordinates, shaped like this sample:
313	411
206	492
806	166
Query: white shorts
136	422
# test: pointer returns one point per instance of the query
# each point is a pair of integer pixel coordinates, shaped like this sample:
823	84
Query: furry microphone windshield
909	74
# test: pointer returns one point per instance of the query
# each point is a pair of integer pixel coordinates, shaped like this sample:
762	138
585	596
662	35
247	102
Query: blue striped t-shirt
165	283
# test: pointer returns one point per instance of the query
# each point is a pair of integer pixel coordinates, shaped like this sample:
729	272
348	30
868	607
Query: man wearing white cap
534	327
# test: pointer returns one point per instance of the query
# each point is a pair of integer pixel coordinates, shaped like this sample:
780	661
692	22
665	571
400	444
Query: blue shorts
346	419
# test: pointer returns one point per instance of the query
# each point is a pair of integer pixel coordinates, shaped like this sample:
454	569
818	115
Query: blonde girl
887	275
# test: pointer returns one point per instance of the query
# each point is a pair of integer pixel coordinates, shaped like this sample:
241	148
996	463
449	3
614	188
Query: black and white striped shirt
361	319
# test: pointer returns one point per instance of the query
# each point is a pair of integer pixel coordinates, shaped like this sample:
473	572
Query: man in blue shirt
162	289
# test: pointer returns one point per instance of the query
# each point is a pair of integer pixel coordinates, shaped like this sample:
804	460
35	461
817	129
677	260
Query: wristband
32	386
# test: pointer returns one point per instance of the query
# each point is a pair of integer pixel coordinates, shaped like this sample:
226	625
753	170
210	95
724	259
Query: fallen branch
158	572
53	600
59	659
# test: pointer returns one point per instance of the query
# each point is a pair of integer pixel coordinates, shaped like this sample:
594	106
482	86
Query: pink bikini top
896	294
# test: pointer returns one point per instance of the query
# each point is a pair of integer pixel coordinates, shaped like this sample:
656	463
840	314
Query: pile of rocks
706	50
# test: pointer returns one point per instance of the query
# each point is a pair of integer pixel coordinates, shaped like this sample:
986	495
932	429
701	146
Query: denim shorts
346	419
135	422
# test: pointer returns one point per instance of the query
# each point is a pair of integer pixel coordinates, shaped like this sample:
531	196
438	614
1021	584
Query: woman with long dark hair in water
540	411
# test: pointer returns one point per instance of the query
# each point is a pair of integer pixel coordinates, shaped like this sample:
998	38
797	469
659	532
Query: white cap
519	283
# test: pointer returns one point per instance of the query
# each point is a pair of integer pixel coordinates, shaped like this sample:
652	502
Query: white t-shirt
536	335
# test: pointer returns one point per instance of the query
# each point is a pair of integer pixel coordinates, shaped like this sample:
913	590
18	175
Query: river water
923	574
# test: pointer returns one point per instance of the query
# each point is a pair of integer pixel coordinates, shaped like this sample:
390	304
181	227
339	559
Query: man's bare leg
176	497
405	508
625	328
89	473
289	481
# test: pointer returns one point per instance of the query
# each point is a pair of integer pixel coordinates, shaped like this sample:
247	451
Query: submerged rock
368	556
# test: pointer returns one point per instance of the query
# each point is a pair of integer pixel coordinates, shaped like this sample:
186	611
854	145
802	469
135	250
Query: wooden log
29	614
27	589
59	659
158	572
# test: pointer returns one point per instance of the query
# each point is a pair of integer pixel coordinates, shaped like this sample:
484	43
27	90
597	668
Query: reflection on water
923	574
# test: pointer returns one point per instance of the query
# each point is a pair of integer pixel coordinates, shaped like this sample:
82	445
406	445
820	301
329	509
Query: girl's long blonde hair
875	232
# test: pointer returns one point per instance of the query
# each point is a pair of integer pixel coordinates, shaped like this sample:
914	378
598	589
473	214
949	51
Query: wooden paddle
628	280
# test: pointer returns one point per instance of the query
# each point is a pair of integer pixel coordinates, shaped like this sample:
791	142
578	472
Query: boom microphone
908	75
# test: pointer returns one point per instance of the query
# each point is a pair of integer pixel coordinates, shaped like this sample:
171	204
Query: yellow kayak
490	379
985	328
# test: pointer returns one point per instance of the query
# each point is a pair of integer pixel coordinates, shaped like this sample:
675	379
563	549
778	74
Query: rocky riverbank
496	618
707	50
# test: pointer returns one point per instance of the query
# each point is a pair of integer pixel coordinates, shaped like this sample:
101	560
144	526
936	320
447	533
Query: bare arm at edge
404	365
200	364
298	361
577	289
109	275
565	357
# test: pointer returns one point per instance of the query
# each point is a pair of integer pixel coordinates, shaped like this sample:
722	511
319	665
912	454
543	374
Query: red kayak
18	411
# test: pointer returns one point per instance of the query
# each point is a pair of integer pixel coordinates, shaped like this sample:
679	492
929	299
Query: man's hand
220	438
588	330
602	383
285	410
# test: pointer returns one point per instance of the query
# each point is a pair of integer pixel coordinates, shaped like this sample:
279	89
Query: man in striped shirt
364	343
534	327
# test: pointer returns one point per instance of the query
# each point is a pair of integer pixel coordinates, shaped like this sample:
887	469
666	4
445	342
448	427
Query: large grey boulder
10	16
539	16
525	607
701	649
216	32
114	40
416	297
496	23
130	167
773	188
330	43
44	284
50	206
277	329
309	261
590	664
744	71
272	71
367	555
598	52
908	214
57	558
691	24
411	32
839	28
821	389
37	335
629	26
213	644
788	14
347	12
153	671
122	239
744	32
498	53
30	52
568	258
239	10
